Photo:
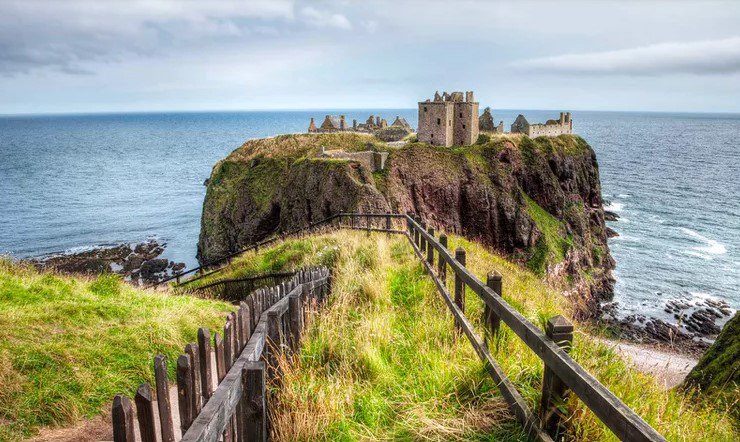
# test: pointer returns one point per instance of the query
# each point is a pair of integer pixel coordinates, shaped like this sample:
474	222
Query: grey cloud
68	36
710	57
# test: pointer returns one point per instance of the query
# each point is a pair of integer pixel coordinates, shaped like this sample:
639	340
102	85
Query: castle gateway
449	120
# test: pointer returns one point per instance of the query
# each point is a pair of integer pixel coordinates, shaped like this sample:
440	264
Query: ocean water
71	182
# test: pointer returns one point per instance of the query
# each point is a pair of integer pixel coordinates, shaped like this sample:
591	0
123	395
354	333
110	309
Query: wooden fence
237	289
388	222
562	375
268	321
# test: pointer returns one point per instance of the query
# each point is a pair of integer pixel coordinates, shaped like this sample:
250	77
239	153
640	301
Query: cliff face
538	201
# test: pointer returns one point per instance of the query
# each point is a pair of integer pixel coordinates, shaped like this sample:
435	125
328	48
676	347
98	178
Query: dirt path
669	369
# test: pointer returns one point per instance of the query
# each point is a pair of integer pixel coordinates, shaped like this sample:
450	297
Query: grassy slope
382	362
67	345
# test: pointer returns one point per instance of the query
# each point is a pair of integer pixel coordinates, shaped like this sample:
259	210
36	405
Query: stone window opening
425	108
460	114
463	126
439	121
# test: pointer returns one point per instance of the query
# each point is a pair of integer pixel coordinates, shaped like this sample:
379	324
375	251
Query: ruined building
551	128
338	123
486	123
449	119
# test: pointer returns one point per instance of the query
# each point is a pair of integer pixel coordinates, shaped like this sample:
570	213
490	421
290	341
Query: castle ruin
338	123
449	119
551	128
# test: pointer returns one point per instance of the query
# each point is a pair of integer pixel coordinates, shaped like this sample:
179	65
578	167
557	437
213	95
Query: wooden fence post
185	392
430	249
145	413
490	318
206	370
554	391
295	310
163	399
442	270
123	419
422	240
416	231
388	221
459	286
253	398
192	351
273	343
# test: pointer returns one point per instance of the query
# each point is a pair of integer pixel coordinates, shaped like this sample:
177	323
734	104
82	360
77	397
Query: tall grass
382	362
68	345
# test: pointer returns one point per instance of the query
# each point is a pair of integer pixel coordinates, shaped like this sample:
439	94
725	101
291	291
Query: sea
72	182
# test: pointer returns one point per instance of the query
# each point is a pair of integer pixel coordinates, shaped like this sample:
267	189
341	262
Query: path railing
267	323
562	374
236	289
356	221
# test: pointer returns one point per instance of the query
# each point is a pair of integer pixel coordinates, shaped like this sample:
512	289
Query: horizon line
193	111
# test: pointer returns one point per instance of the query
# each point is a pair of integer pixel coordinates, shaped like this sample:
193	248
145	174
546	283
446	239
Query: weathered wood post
145	413
490	318
185	392
192	351
204	353
442	270
273	343
554	391
417	220
430	249
423	246
163	399
253	398
367	222
177	278
459	286
295	310
388	221
123	419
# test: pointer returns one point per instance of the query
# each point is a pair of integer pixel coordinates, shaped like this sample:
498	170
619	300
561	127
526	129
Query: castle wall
465	123
548	130
372	161
435	123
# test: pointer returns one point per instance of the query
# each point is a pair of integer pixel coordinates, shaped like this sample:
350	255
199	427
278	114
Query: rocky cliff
538	201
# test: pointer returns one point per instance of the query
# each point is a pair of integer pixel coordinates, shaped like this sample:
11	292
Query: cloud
325	19
700	57
65	36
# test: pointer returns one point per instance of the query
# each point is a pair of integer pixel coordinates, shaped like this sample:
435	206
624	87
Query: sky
81	56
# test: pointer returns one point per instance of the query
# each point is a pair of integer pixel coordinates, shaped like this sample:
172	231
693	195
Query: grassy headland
68	345
382	361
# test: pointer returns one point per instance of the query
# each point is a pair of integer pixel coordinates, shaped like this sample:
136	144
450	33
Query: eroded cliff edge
535	200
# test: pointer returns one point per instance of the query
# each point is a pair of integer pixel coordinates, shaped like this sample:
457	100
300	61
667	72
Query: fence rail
334	222
267	323
561	371
236	289
235	397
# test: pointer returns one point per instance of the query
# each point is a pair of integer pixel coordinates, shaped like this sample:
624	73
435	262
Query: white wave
697	254
614	206
624	195
711	246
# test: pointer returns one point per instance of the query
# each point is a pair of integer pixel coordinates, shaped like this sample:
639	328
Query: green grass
68	345
381	362
553	244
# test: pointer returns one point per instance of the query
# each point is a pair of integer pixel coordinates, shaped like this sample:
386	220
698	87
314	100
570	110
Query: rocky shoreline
136	263
697	322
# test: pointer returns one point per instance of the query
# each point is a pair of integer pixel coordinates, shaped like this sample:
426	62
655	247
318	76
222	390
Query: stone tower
449	119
